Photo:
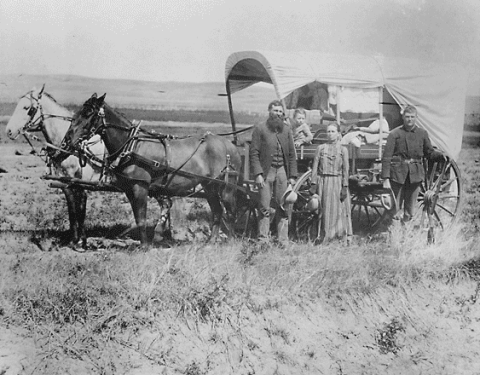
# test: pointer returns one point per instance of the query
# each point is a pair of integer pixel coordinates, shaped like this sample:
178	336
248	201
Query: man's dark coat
264	145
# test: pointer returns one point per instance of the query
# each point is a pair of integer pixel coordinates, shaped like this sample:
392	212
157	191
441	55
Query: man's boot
282	230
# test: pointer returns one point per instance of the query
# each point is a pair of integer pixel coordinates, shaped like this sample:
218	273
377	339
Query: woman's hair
300	110
336	126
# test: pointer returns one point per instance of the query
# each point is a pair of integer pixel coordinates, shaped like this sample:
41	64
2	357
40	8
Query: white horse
39	111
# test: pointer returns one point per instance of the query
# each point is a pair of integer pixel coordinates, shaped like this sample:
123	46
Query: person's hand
298	144
343	194
260	181
313	189
386	184
291	181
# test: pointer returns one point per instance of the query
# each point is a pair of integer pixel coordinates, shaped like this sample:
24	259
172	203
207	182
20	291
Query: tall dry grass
92	307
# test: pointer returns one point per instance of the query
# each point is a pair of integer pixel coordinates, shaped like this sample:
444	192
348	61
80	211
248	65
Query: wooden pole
339	89
380	113
230	108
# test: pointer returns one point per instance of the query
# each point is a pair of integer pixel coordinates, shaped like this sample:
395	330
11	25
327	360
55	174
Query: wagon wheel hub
430	200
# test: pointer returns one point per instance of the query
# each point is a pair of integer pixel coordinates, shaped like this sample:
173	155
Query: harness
125	155
49	153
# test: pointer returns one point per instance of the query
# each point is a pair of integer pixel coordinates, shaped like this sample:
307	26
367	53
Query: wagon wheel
371	207
440	198
303	223
245	223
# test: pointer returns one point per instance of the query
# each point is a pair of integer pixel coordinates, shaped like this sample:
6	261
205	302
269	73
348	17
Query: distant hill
70	89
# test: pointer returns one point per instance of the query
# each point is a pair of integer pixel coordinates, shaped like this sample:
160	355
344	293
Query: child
301	130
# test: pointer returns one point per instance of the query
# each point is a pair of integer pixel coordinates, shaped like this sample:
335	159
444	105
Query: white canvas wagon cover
437	90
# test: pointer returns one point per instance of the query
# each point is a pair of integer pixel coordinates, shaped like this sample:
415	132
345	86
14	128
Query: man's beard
275	123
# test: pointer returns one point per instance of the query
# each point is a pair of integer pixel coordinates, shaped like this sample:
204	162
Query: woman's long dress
330	173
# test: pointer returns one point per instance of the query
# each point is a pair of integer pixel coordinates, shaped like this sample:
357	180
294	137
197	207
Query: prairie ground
389	304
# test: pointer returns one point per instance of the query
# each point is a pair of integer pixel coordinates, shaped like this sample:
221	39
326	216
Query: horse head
27	114
87	121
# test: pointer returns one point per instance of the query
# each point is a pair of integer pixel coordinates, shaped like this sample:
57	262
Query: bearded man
274	165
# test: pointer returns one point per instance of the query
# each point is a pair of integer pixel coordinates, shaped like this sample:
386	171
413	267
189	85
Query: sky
190	40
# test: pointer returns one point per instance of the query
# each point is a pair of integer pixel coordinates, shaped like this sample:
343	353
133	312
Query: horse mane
51	97
62	107
119	114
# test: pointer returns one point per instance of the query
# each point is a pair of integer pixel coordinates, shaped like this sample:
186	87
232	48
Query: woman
330	182
301	130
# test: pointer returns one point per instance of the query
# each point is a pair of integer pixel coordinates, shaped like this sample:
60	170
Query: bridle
97	125
34	125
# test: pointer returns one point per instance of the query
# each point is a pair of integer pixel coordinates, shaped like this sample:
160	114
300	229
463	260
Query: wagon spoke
445	209
438	219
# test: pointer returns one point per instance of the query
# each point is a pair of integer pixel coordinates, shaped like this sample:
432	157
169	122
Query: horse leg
72	215
213	200
229	200
163	229
138	196
81	208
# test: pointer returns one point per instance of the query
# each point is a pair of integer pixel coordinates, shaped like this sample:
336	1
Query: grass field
388	304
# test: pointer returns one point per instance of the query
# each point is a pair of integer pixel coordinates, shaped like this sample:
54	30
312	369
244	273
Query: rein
125	154
236	132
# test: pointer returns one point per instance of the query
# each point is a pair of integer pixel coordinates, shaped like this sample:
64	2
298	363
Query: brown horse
150	164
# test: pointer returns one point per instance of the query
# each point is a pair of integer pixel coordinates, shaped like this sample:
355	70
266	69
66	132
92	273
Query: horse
39	111
146	163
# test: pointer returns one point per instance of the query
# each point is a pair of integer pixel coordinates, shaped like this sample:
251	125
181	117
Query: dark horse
151	164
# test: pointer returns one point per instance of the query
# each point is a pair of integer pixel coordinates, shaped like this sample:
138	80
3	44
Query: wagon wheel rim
244	224
440	198
368	212
304	223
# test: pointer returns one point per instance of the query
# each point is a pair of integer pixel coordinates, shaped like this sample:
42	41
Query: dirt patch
17	351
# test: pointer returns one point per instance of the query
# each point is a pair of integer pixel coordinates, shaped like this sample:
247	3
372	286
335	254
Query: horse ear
102	98
94	95
41	91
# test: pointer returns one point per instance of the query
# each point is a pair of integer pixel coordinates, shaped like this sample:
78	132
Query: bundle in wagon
366	95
